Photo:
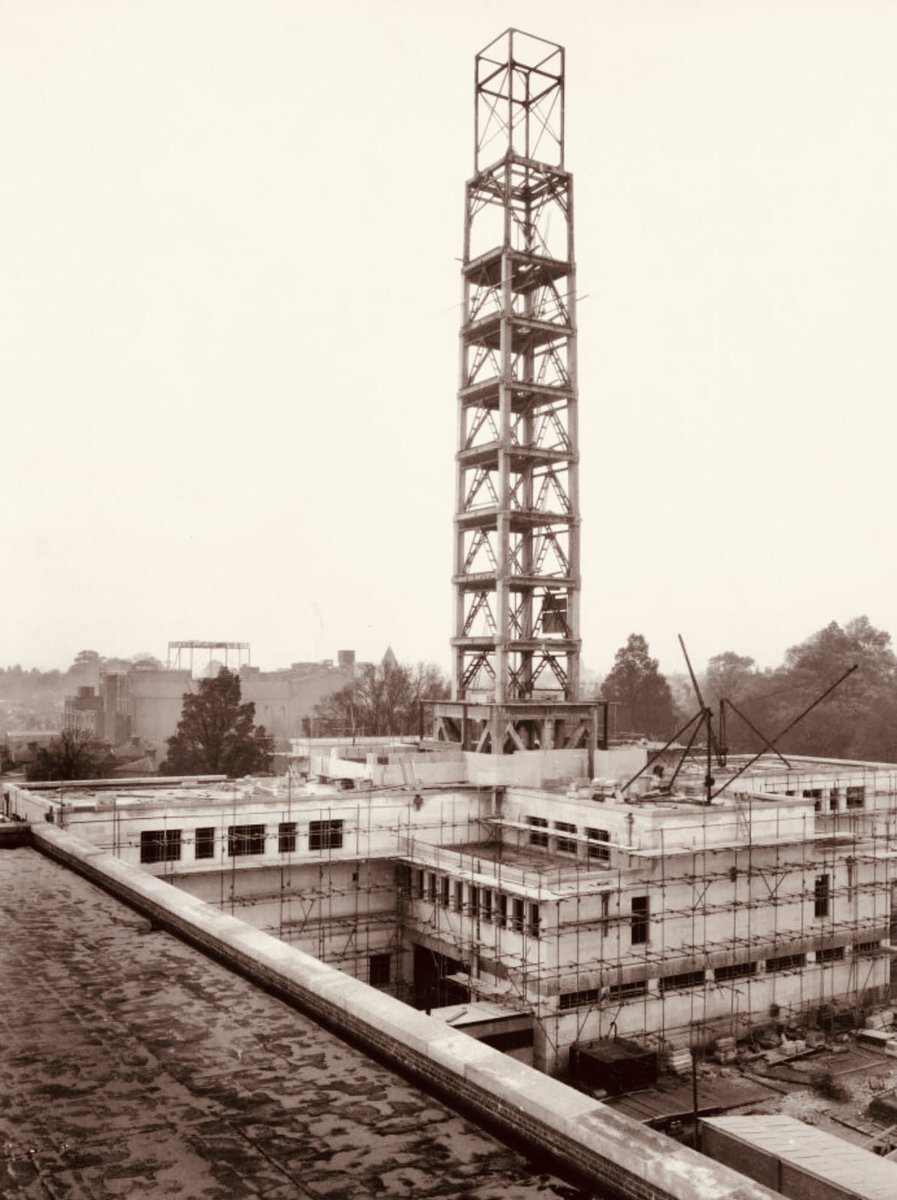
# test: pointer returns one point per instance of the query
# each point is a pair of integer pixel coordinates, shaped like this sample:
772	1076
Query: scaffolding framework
791	925
516	570
178	651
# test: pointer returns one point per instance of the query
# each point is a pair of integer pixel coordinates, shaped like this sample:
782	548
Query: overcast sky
229	286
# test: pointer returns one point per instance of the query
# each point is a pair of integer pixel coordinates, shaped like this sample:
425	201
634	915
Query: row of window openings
491	907
854	797
596	845
479	903
690	979
641	913
165	845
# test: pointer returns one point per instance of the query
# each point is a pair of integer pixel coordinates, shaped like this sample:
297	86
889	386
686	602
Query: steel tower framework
516	559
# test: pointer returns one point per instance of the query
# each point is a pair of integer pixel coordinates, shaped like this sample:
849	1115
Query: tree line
384	700
857	720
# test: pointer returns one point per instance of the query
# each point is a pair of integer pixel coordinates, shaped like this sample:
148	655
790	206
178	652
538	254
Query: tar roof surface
133	1066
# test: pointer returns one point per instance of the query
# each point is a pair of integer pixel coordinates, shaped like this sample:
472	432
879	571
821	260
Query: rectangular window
417	884
687	979
501	916
325	835
814	794
565	845
517	918
734	971
605	912
821	896
830	954
787	962
538	839
474	901
445	890
459	896
204	842
567	1000
379	972
431	888
639	922
286	837
486	904
866	948
622	991
855	797
160	845
834	797
245	839
532	927
599	852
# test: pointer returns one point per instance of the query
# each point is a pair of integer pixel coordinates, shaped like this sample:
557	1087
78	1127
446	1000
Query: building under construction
556	914
514	871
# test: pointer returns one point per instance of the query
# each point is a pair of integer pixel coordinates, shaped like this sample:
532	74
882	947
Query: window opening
855	797
380	970
245	839
160	845
565	845
536	838
325	835
286	837
204	842
821	896
639	922
599	852
533	924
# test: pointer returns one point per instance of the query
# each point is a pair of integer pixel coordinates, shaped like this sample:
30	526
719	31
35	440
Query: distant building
283	699
85	711
145	702
20	746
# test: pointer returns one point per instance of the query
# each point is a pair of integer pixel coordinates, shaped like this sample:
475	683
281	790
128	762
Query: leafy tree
728	675
683	694
383	701
145	661
845	724
75	754
216	734
636	683
858	720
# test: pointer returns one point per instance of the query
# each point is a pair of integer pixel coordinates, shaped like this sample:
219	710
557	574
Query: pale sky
229	300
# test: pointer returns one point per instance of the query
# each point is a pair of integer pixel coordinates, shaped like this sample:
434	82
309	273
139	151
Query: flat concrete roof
132	1065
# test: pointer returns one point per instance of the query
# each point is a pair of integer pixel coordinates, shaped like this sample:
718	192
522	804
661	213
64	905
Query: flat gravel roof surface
133	1066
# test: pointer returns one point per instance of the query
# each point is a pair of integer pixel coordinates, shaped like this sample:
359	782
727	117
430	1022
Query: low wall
20	804
585	1138
526	768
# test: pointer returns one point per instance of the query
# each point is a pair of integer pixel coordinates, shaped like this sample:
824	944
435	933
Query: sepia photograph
448	696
